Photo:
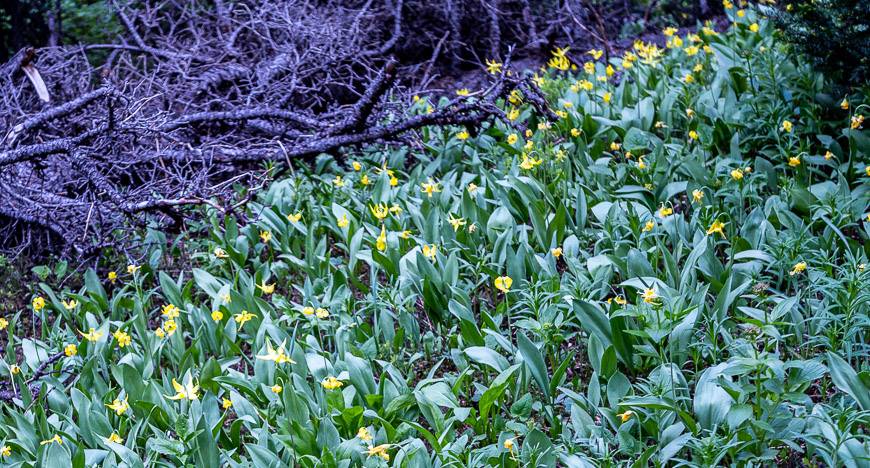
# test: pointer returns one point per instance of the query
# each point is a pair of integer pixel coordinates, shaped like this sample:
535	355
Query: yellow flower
559	63
626	415
620	300
737	174
188	390
308	310
380	450
55	439
717	226
429	251
462	136
692	50
266	288
595	53
607	97
463	92
429	188
296	217
649	295
226	403
669	31
3	323
641	164
278	356
115	438
265	236
169	327
70	305
575	132
512	138
338	181
828	155
15	369
493	67
798	268
509	444
753	27
321	313
689	79
844	104
227	298
556	252
614	146
343	221
503	283
276	389
472	188
91	335
122	338
364	179
665	211
132	268
405	234
6	451
170	311
119	406
331	383
243	317
867	170
794	161
698	68
381	241
693	135
513	114
786	126
363	434
159	333
857	121
455	222
38	303
394	181
70	350
217	316
649	226
112	277
380	211
697	195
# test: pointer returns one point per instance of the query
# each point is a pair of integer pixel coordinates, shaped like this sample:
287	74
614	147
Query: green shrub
834	34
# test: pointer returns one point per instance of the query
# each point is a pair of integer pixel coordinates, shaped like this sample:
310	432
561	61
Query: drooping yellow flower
512	138
606	98
308	310
331	383
665	211
38	303
266	288
170	311
92	335
857	122
717	226
649	295
169	327
381	241
119	406
828	155
364	180
115	438
380	451
595	53
122	338
132	268
503	283
70	304
217	316
456	223
463	92
112	277
56	439
380	211
296	217
649	226
406	234
798	268
15	369
688	78
188	391
794	161
70	350
786	126
429	251
737	174
226	403
343	222
693	135
243	317
697	195
364	434
321	313
429	188
626	415
753	27
844	104
159	333
265	236
493	67
509	444
3	323
669	31
575	132
5	451
556	252
278	356
338	181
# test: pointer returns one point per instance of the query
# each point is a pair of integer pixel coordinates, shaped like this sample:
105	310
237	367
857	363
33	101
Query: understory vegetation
672	273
